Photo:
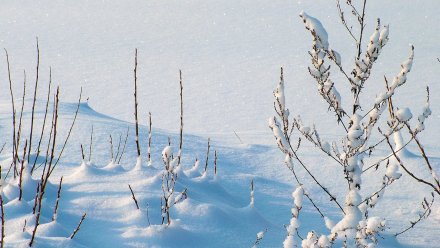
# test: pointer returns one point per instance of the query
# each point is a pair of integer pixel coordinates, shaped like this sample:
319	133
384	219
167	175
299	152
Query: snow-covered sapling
359	123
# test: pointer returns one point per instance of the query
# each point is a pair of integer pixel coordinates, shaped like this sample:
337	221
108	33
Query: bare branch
78	227
133	196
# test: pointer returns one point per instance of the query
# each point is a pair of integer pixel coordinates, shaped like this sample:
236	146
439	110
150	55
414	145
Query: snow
230	53
403	114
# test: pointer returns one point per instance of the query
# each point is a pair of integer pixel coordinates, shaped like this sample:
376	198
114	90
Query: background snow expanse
230	53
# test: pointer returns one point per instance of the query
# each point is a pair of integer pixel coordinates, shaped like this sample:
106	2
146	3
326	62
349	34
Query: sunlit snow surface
230	53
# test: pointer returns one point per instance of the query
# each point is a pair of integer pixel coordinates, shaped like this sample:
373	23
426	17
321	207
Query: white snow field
230	53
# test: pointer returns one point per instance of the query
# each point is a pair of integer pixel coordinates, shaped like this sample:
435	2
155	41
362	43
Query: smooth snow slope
230	53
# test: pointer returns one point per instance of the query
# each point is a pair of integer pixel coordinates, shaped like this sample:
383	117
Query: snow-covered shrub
172	169
360	123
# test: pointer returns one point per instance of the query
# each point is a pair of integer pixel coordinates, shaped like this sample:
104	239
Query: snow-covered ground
230	53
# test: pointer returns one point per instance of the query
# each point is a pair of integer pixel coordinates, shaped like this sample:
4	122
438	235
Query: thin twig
215	162
55	212
125	144
82	152
14	151
111	147
133	196
362	26
79	225
136	105
17	143
91	144
20	182
181	119
207	154
149	137
119	146
436	189
238	137
44	121
69	133
33	103
2	243
427	206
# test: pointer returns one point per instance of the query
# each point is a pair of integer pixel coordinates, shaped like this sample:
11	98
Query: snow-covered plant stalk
169	178
260	236
360	124
292	228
